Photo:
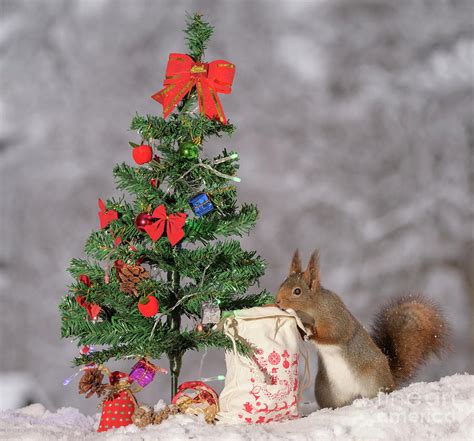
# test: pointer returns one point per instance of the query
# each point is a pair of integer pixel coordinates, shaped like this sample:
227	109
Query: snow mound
441	410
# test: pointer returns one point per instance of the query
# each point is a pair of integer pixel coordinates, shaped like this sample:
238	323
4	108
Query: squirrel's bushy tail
408	331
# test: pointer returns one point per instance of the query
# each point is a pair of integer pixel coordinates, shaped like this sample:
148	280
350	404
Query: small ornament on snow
165	413
119	404
199	327
106	216
143	372
188	150
201	204
141	153
210	313
203	400
148	306
143	416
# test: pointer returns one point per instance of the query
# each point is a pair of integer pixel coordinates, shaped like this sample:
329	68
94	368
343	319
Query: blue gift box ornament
201	204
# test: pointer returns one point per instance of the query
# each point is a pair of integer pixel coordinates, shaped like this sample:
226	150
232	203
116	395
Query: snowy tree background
354	124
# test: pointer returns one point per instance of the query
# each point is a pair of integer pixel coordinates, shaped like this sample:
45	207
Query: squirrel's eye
297	291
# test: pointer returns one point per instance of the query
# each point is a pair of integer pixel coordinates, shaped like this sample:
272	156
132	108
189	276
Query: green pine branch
198	33
189	340
206	229
178	128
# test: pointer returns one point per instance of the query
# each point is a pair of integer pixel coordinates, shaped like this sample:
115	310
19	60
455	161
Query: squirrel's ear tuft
295	266
311	275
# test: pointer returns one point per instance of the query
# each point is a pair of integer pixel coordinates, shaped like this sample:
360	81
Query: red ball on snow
142	220
142	154
150	307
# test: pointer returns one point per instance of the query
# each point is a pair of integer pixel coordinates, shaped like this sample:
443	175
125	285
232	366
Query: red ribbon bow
106	217
174	225
182	73
92	308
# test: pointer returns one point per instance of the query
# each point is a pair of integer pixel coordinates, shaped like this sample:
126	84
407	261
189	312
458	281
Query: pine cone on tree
130	276
91	383
143	416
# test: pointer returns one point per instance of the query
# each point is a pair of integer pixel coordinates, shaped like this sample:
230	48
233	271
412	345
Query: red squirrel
353	364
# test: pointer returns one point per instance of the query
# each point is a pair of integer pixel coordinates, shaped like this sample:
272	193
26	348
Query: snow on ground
441	410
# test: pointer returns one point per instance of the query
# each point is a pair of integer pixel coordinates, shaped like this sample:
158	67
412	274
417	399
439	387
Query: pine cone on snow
130	276
143	416
164	413
91	383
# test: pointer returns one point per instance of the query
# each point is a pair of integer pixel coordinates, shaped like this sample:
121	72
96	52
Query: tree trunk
174	323
175	367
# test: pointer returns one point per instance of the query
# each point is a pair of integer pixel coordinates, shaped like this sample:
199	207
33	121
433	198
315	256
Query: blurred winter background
354	124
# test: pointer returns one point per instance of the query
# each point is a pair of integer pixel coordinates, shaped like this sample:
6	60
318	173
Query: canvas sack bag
265	387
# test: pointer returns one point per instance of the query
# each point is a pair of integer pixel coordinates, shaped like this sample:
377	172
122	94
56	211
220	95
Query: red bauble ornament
143	220
155	182
150	307
142	154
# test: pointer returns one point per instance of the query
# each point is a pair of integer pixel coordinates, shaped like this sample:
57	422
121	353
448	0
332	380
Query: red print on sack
274	358
276	398
286	363
248	407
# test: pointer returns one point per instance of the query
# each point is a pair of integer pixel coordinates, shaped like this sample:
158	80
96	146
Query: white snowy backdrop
354	124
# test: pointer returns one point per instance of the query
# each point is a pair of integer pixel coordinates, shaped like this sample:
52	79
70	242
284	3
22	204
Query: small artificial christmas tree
167	254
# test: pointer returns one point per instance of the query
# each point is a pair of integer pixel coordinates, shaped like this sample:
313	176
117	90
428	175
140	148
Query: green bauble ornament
188	150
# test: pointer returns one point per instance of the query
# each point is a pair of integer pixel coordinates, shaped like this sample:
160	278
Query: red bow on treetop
106	217
182	73
174	225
